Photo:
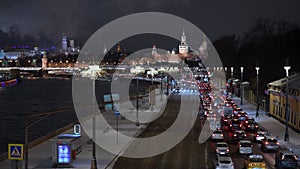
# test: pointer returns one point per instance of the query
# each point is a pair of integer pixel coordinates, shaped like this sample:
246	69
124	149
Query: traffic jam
238	140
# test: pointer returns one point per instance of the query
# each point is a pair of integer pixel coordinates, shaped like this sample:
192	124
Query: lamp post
94	160
137	123
231	86
241	85
257	104
287	113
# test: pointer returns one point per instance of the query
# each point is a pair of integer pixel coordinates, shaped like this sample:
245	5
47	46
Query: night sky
79	19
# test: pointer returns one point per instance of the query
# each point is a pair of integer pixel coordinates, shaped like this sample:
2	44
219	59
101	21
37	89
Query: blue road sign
117	113
15	151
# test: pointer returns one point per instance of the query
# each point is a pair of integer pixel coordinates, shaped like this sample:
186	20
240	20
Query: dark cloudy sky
80	18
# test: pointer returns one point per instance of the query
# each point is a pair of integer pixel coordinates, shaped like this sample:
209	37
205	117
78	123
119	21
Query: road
189	153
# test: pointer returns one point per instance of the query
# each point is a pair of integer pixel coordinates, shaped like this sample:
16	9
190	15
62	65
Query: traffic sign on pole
15	151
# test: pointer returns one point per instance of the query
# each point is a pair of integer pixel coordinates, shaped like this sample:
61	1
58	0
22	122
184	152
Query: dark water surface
36	96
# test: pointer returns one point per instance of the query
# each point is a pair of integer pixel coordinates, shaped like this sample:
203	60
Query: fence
251	97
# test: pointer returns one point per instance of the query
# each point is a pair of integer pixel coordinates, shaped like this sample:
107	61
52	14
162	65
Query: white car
245	147
222	148
260	135
224	162
217	135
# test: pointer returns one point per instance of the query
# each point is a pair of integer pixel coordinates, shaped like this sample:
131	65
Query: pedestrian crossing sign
15	151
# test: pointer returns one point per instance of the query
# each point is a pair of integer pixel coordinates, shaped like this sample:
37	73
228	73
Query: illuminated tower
183	46
203	48
44	61
64	43
154	51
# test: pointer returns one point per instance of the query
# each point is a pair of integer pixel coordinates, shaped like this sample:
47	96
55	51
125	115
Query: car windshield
218	132
289	157
224	161
221	145
272	140
256	160
246	144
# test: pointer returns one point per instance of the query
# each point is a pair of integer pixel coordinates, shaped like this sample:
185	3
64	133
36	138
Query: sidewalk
40	156
272	126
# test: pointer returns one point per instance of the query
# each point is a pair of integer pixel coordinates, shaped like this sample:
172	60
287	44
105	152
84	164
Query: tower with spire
183	46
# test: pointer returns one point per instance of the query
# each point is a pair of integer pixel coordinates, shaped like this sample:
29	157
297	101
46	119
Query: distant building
64	43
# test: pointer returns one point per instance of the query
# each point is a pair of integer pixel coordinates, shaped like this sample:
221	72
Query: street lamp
137	123
241	85
287	113
94	160
257	104
231	86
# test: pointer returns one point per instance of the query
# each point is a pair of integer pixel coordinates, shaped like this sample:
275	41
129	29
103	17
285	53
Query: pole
161	89
257	104
242	86
94	160
117	129
287	112
137	123
26	141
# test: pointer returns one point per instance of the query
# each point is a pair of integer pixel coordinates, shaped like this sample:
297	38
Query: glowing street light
287	112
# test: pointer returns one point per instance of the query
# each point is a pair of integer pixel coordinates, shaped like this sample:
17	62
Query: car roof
239	131
224	158
270	137
256	156
245	141
261	132
221	143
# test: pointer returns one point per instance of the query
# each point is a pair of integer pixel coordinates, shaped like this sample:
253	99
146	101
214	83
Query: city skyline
80	20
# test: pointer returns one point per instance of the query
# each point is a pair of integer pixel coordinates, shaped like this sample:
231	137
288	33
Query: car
251	119
226	120
224	162
206	111
269	143
235	124
286	159
255	162
222	148
245	147
242	115
251	126
237	110
238	135
260	135
217	135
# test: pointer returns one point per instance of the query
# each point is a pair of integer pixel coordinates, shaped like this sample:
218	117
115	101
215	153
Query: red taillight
234	135
256	126
277	143
248	125
267	143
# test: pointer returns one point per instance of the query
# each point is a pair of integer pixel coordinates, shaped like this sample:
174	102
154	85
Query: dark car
238	135
237	110
226	120
235	125
242	116
286	159
251	126
269	143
